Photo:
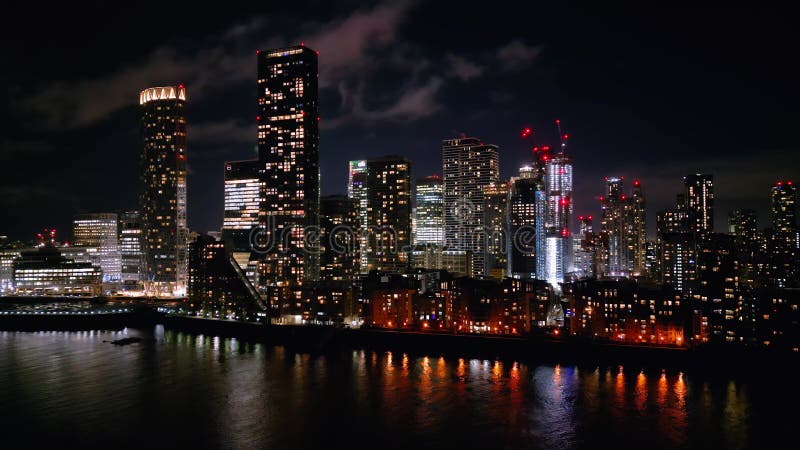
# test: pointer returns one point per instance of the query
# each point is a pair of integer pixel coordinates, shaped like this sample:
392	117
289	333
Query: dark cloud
230	130
21	149
463	68
517	54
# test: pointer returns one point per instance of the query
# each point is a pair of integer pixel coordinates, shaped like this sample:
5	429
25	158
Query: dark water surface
61	389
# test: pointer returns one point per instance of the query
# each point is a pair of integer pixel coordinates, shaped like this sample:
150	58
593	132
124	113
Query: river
176	389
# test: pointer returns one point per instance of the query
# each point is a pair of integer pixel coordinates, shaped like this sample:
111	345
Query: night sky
652	95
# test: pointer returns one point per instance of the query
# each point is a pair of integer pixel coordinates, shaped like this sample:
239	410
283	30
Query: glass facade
130	244
429	211
468	166
101	232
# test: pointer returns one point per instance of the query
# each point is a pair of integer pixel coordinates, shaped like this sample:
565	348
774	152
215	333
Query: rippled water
71	388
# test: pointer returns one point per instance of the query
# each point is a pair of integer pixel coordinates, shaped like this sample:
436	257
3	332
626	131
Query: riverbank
301	338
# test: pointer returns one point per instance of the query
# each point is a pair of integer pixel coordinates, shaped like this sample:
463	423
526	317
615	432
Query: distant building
677	247
469	166
382	189
339	244
131	254
623	230
242	203
700	201
357	191
434	257
523	223
585	247
7	257
429	211
743	227
496	217
44	271
101	232
784	213
162	203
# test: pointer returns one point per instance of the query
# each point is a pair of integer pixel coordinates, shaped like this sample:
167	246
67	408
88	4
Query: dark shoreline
318	339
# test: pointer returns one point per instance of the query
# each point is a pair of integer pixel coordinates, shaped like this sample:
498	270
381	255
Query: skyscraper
523	225
429	211
469	166
288	146
637	239
677	247
558	188
357	191
495	206
784	213
614	207
339	244
100	231
700	201
388	232
623	232
743	226
585	248
130	246
162	203
241	203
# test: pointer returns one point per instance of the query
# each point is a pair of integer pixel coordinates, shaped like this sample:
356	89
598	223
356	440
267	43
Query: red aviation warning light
636	183
526	132
565	232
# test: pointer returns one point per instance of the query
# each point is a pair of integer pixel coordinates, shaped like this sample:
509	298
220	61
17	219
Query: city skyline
658	152
454	226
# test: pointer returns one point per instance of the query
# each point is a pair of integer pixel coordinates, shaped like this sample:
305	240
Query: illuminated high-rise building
558	188
469	166
495	206
677	247
429	211
585	248
100	231
743	226
288	146
339	245
782	265
523	222
130	246
388	232
357	191
637	238
241	203
613	206
623	232
162	203
784	213
700	201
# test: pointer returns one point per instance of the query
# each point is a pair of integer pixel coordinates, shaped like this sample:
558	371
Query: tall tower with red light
288	151
558	190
